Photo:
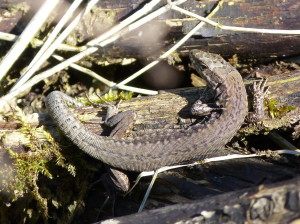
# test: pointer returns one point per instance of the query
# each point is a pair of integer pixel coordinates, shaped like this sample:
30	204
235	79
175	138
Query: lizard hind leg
122	122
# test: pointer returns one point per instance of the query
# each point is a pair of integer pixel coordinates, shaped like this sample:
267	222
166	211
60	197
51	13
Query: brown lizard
167	147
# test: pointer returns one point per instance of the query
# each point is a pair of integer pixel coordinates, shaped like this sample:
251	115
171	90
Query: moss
112	95
27	167
276	111
38	183
14	8
174	58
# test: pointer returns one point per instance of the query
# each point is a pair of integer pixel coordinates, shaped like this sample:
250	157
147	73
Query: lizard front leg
258	91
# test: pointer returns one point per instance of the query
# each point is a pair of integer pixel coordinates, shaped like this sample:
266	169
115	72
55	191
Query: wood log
152	112
160	33
268	14
283	102
273	203
162	111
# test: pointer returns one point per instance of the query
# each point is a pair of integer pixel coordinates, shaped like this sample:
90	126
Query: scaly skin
167	147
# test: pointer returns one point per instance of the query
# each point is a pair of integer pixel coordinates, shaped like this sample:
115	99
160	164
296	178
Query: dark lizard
167	147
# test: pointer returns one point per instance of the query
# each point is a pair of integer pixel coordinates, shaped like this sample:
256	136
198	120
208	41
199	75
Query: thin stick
36	42
166	54
281	141
125	22
46	74
46	51
34	25
57	68
56	30
8	36
139	23
148	190
214	159
234	28
106	81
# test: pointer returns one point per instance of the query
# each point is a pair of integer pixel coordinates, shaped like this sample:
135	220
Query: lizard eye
202	65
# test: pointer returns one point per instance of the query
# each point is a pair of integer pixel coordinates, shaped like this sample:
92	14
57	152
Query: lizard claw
260	88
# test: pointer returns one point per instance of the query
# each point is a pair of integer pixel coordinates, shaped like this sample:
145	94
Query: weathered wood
274	203
268	14
160	33
170	109
162	111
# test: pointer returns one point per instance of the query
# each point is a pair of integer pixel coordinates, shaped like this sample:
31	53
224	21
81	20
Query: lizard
168	147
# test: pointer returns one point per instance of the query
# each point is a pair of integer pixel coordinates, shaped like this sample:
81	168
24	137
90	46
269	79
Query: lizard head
210	67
